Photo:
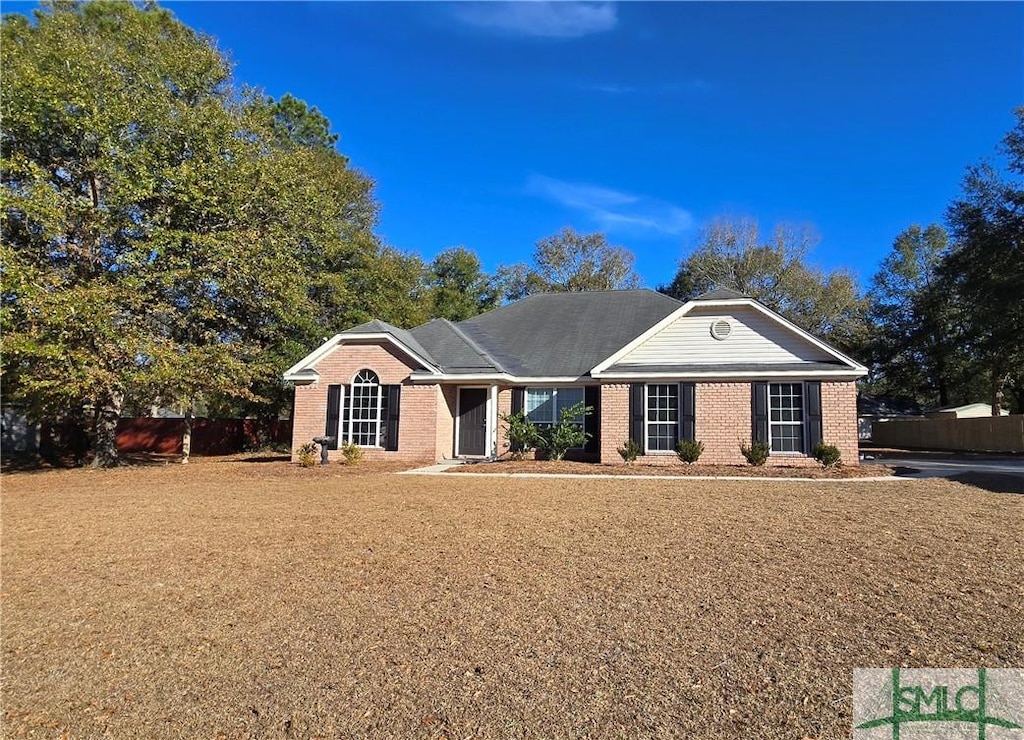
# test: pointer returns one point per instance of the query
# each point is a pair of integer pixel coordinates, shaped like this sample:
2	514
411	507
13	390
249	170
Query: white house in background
968	411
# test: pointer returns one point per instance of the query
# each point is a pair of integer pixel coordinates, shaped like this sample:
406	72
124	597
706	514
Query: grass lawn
234	599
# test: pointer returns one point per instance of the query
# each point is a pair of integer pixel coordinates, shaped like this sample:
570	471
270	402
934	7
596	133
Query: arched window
365	410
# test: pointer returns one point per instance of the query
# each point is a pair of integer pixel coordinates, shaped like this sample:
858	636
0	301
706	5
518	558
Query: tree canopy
732	253
984	270
568	262
161	226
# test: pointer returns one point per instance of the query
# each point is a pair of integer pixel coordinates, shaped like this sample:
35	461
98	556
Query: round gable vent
721	329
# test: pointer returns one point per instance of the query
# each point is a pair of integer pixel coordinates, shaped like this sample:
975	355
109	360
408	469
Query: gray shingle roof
376	326
720	294
457	352
565	334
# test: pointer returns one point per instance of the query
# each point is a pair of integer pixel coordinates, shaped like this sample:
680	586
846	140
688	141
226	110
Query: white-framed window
544	406
786	417
365	411
662	420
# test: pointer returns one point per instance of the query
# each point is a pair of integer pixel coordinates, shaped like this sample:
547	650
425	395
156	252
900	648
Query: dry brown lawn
233	599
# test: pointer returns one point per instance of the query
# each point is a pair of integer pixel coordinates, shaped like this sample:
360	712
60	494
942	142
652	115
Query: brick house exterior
722	369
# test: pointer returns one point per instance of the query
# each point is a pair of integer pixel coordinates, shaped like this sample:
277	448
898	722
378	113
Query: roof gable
763	338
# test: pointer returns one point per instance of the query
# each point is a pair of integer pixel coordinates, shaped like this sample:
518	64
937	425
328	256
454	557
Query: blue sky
494	125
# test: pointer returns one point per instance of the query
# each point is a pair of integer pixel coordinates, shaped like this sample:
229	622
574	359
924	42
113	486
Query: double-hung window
786	417
544	406
662	417
364	411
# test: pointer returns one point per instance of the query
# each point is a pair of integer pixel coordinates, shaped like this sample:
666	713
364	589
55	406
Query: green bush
308	455
555	441
756	453
523	436
827	455
351	452
689	450
630	451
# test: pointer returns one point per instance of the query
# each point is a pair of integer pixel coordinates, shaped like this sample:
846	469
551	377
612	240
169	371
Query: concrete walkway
440	469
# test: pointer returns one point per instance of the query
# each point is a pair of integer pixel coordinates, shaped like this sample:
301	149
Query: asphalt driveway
995	472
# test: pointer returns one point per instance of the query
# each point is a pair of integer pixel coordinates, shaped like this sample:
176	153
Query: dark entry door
472	421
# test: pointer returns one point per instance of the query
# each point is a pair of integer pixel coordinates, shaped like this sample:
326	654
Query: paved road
966	468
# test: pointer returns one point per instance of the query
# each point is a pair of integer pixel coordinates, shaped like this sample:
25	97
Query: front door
472	421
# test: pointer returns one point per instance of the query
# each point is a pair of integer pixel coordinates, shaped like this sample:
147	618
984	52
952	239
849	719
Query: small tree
827	455
567	433
630	451
756	453
689	450
523	436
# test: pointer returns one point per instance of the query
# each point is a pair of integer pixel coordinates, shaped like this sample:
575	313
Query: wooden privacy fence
985	434
209	436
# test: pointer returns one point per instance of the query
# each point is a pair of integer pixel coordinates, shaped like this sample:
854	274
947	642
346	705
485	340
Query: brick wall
417	430
444	444
504	407
723	422
839	418
614	420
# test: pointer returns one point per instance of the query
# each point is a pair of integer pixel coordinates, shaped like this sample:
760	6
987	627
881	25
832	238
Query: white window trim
647	424
380	400
802	424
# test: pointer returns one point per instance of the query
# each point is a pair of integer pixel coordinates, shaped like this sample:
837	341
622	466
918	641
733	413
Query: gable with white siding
754	338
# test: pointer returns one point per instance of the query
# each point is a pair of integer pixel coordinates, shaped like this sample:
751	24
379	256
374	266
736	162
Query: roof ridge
473	345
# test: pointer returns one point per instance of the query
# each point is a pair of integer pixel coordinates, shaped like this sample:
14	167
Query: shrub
630	451
689	450
756	453
827	455
308	455
566	434
352	453
522	435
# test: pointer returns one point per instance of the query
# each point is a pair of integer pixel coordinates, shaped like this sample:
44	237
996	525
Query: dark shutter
518	400
333	414
687	411
637	414
592	422
394	397
759	412
812	408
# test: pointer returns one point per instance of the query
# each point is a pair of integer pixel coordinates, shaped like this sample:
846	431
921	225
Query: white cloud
540	18
612	210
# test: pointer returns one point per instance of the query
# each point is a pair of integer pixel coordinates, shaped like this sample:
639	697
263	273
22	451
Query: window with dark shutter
331	428
592	422
759	412
812	403
688	411
393	401
637	414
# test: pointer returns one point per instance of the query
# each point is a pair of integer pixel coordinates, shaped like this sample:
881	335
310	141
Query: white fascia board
302	369
834	374
727	303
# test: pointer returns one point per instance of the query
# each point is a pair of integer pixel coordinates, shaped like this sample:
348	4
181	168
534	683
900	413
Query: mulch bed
745	471
260	600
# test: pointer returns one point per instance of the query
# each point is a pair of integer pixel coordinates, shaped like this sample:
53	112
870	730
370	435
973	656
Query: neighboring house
968	411
871	409
722	368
